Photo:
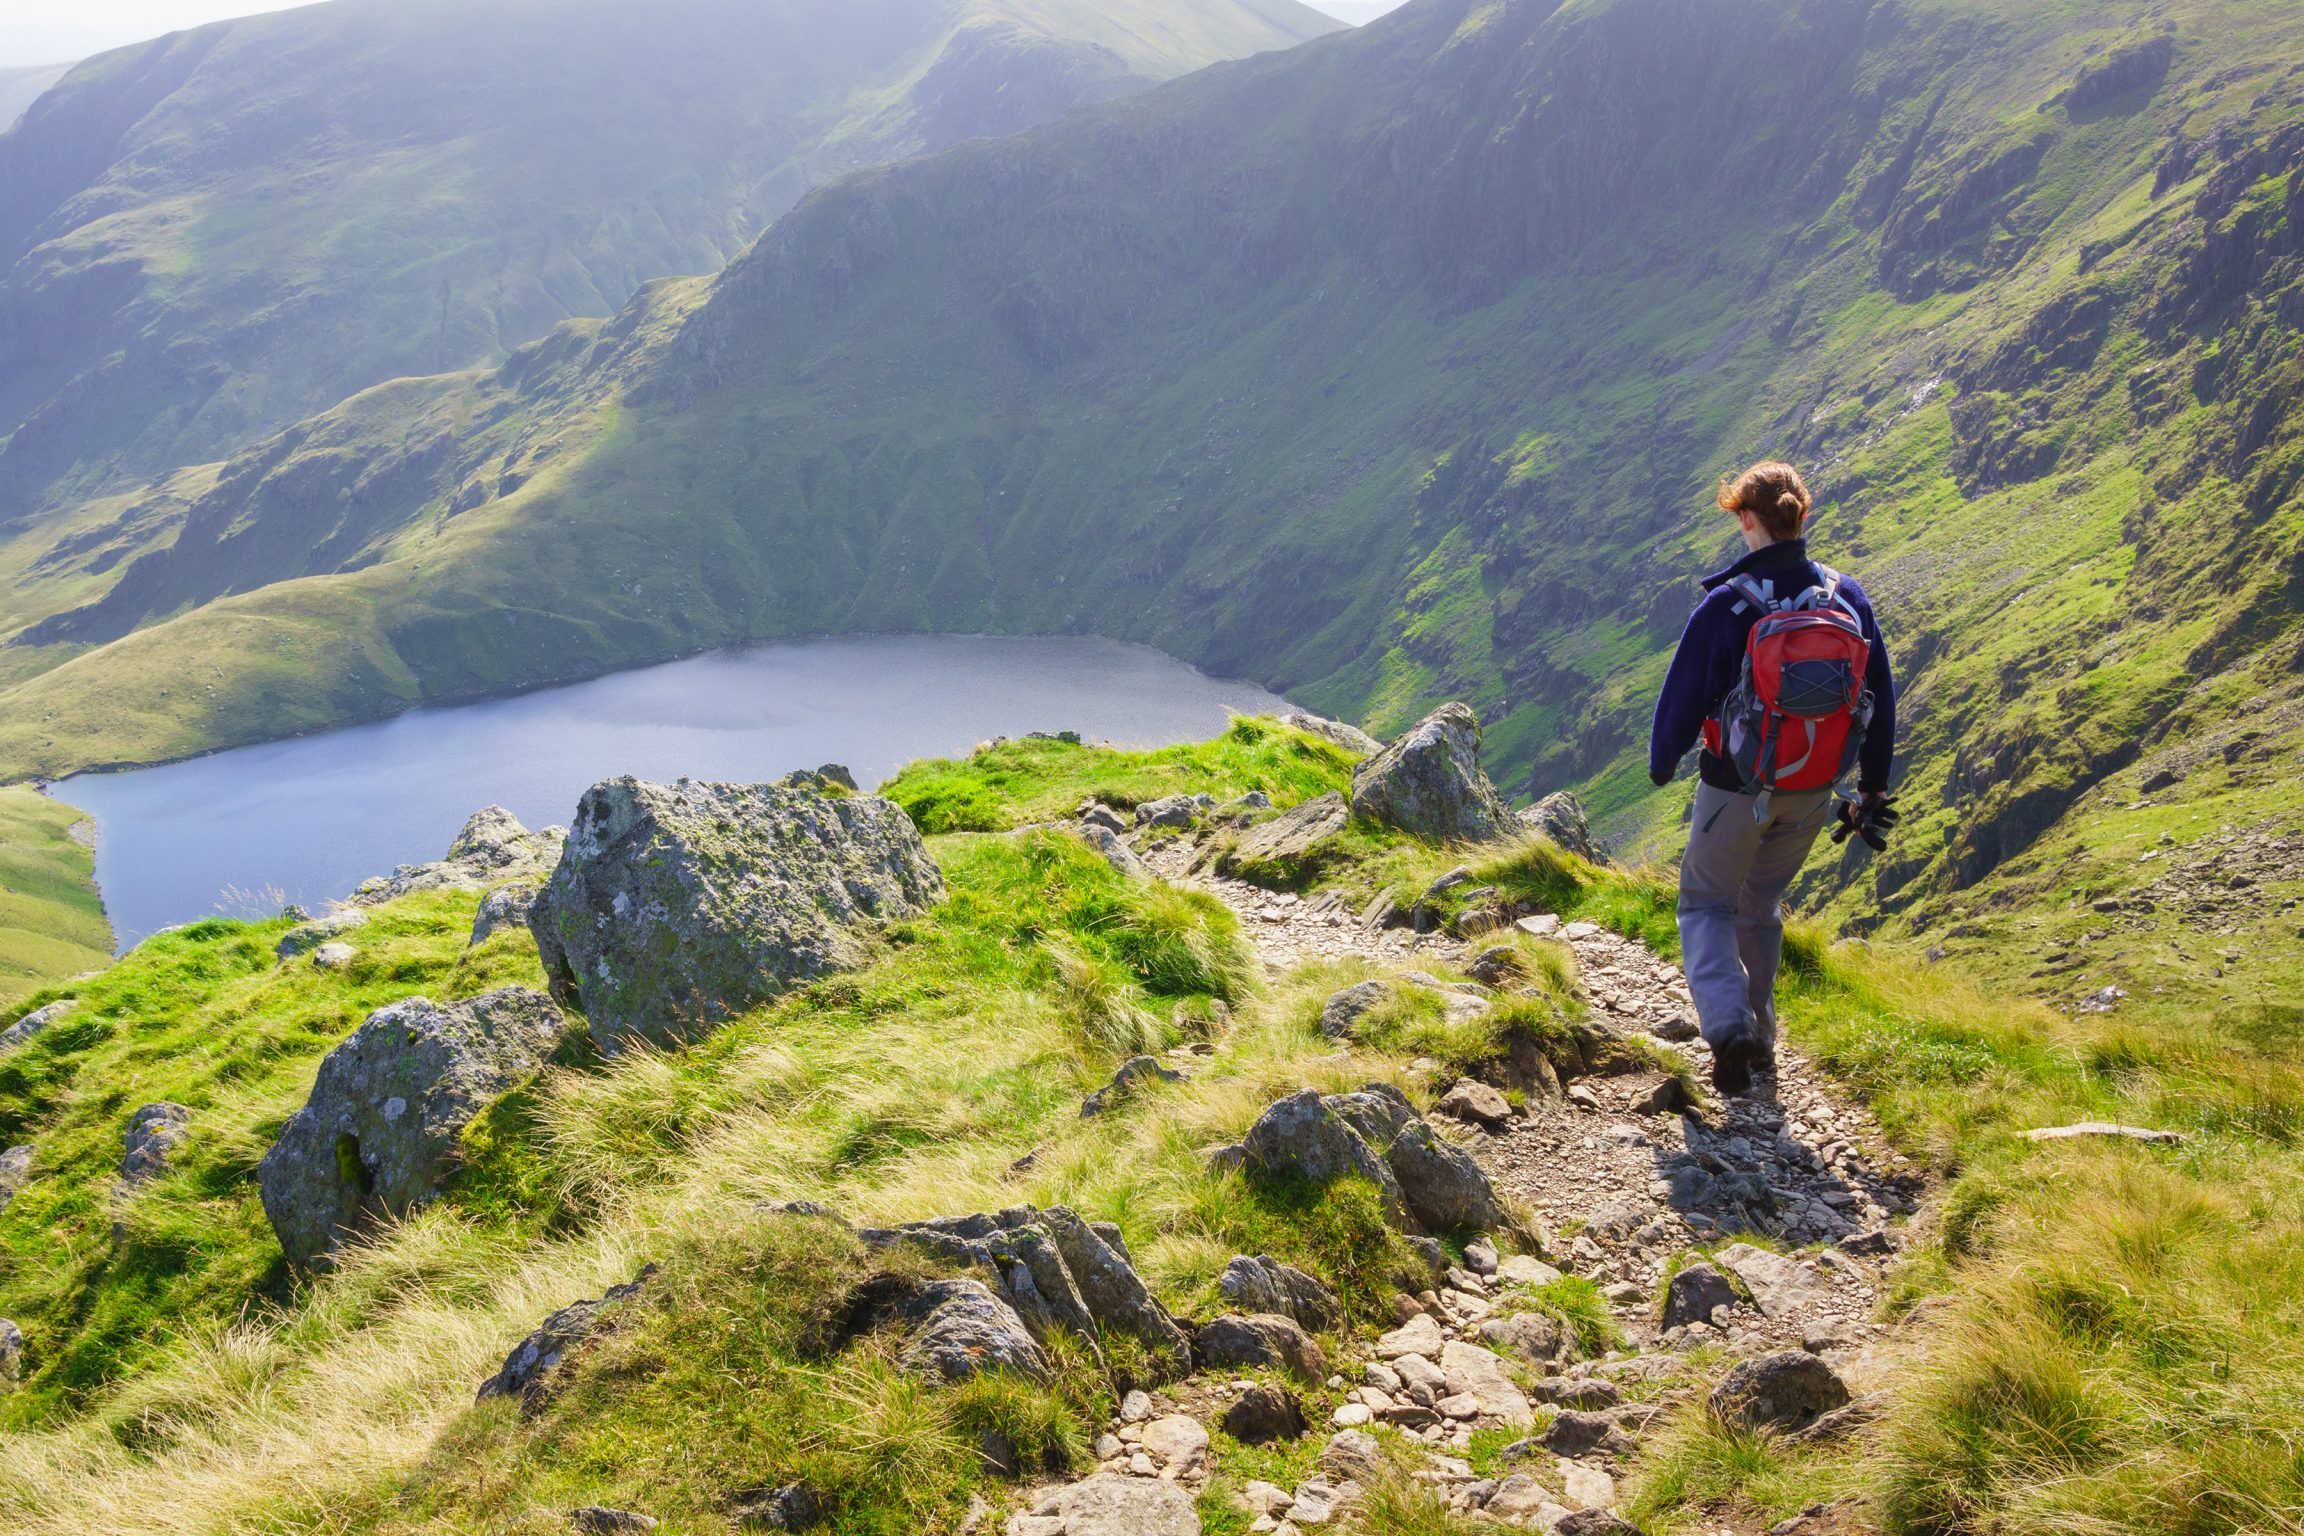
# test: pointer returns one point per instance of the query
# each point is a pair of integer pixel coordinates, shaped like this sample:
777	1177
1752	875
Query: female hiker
1783	674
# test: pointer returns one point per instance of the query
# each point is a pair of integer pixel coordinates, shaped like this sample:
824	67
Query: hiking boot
1733	1062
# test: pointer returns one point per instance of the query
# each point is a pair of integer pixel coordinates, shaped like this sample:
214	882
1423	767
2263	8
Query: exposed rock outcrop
677	906
1560	817
1055	1270
1294	834
1263	1284
15	1170
1429	783
305	937
505	907
21	1032
1377	1135
531	1373
11	1351
493	847
1262	1338
960	1329
1339	732
378	1137
1109	1504
154	1131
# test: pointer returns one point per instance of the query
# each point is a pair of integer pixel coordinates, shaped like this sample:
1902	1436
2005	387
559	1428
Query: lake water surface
306	820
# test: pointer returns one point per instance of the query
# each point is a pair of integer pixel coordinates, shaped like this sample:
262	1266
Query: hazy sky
58	31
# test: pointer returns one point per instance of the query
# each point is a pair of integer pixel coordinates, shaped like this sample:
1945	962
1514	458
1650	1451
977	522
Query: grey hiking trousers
1732	884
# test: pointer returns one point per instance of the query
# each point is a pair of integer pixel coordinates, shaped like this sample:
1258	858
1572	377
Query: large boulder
379	1135
532	1371
1345	1008
493	847
1694	1293
1110	1504
1790	1389
1054	1270
677	906
1560	817
1429	783
22	1031
1375	1134
1263	1284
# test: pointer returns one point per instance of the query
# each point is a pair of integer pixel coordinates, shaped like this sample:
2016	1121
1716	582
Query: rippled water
308	819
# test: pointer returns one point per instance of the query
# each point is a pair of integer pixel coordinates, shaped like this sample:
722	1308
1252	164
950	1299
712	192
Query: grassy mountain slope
51	918
21	85
2111	1329
208	236
1398	366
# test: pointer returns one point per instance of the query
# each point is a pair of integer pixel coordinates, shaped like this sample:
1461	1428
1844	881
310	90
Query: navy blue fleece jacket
1711	655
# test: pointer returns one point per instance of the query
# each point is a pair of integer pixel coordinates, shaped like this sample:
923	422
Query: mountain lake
305	820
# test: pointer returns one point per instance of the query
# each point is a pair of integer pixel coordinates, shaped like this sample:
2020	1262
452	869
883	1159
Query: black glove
1869	818
1660	779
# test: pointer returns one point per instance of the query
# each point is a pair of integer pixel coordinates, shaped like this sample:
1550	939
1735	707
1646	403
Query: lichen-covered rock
960	1329
1346	1008
1174	811
1110	1504
1263	1284
1560	817
333	956
1429	783
1055	1270
531	1372
1113	851
154	1131
15	1169
493	847
504	907
22	1031
677	906
1261	1338
1302	1137
11	1351
1789	1389
379	1134
309	936
1375	1134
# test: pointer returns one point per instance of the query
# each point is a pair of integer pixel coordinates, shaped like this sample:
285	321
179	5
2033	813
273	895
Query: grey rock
600	1520
306	937
1480	1256
838	774
1302	1137
15	1169
1096	813
1594	1522
1261	1338
1170	811
1443	1187
1560	817
1295	833
1113	851
1780	1286
1262	1414
1340	733
675	907
1352	1454
1110	1504
790	1507
531	1372
1477	1103
1533	1336
1055	1270
1588	1394
22	1031
1344	1009
379	1134
333	956
960	1329
1429	784
1694	1292
492	847
11	1351
1134	1074
154	1131
1240	807
1789	1389
1846	1419
504	907
1263	1284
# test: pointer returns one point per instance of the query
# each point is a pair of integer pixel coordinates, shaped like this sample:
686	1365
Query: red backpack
1796	717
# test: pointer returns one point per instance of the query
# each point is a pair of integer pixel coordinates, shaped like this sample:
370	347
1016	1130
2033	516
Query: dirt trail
1788	1198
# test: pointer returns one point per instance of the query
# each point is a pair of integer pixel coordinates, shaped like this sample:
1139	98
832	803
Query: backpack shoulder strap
1751	594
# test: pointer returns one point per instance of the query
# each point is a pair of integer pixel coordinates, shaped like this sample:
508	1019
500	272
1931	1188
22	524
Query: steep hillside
208	236
2070	1333
51	919
21	85
1398	366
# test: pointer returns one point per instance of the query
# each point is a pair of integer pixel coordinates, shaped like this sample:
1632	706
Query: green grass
51	917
